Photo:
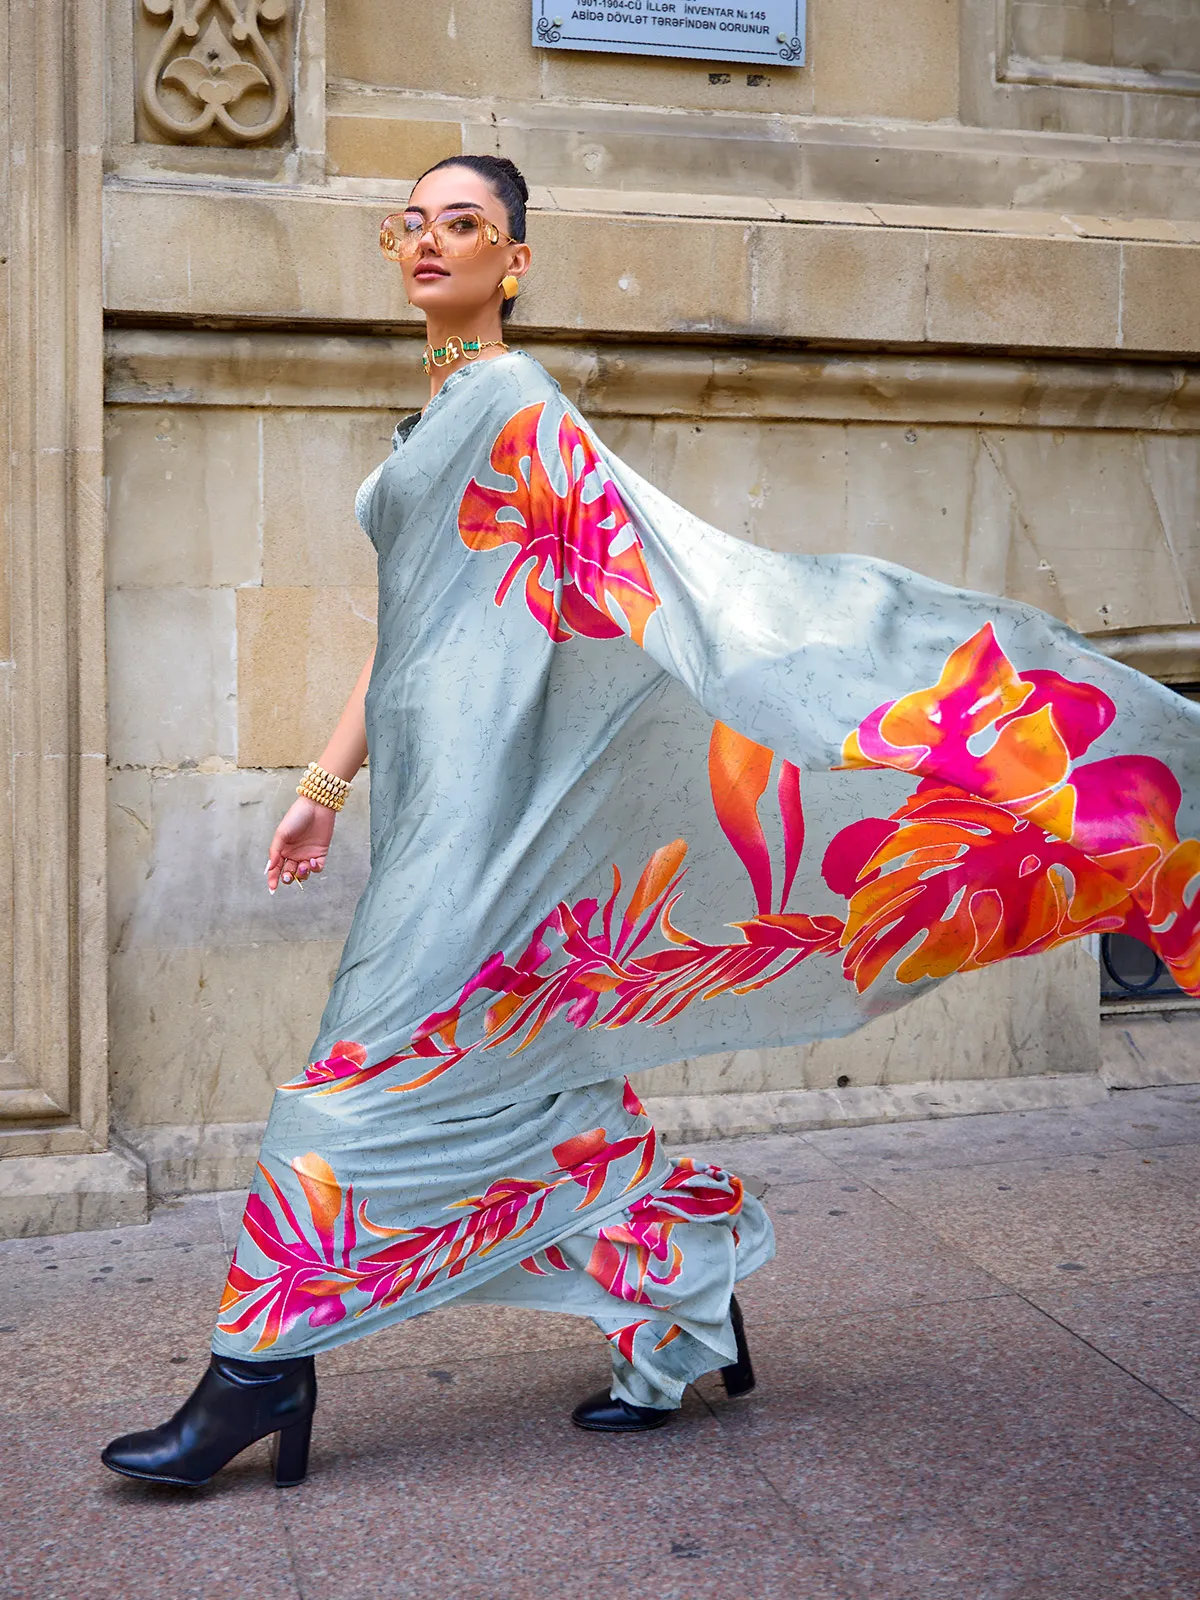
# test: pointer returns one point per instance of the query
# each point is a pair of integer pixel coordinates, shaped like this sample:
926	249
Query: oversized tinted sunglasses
455	233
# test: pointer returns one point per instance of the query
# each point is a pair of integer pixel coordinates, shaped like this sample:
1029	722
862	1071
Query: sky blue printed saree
642	791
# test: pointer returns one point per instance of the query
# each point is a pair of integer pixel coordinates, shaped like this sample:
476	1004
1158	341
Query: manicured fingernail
287	877
272	891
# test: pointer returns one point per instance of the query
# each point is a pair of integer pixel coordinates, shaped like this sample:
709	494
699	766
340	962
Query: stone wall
933	297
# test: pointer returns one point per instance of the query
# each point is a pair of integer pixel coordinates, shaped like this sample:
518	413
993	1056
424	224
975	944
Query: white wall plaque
771	32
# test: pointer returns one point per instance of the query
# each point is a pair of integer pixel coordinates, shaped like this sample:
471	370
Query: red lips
429	269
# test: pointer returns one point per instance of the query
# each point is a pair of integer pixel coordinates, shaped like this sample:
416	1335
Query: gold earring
510	286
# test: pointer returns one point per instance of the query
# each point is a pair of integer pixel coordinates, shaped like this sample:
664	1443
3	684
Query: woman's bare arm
347	747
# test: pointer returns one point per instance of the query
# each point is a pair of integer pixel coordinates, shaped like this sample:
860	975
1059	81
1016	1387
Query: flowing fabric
641	791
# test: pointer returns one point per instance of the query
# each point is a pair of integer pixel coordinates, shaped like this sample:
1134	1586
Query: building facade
932	296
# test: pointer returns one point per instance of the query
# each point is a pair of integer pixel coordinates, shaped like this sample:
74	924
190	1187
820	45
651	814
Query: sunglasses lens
459	233
392	238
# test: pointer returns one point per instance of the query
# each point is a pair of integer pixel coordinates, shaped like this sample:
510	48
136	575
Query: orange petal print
600	584
1012	850
1176	920
348	1050
655	879
583	1147
1028	759
738	772
322	1191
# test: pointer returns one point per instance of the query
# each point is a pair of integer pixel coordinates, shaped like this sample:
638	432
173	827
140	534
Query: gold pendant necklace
458	350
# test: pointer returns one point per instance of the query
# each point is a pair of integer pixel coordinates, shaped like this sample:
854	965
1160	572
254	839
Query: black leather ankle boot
739	1375
235	1403
600	1413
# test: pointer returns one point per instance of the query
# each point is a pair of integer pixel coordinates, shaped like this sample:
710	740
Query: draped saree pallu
588	721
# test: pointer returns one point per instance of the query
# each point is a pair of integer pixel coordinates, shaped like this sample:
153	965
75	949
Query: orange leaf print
973	883
623	1337
1041	722
566	517
657	876
1016	848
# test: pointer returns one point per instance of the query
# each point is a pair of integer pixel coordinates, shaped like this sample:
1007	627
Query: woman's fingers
274	865
285	868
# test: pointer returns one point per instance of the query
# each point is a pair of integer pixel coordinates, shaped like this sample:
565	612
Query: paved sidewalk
979	1378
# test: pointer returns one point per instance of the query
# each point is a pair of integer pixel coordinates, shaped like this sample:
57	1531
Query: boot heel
291	1454
738	1377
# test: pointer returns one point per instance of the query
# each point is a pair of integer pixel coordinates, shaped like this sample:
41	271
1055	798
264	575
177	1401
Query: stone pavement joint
978	1353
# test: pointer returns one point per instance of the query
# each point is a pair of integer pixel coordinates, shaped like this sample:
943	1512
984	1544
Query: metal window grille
1129	970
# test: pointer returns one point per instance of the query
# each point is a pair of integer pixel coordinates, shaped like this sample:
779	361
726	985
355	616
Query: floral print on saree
641	792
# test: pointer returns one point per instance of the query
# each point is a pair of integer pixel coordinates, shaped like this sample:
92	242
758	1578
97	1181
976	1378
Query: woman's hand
301	842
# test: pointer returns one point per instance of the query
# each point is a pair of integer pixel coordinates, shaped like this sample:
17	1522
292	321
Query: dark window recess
1129	969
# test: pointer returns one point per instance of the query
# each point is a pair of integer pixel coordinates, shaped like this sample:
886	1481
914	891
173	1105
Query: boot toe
146	1456
600	1413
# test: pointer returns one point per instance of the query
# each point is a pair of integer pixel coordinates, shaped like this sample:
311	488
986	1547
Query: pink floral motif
310	1277
586	1159
345	1067
638	1252
600	586
547	1260
1016	849
319	1263
587	960
603	979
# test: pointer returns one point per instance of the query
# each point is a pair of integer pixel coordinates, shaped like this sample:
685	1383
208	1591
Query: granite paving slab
773	1158
70	1530
1106	1216
882	1149
174	1224
1149	1326
977	1451
979	1378
500	1495
230	1205
118	1326
843	1249
1145	1117
1181	1161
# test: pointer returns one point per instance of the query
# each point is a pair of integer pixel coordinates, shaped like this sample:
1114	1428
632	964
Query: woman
590	855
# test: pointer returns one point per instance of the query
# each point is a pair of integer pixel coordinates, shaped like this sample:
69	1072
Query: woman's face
447	286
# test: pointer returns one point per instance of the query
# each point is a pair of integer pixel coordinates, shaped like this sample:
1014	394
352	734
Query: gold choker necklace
458	350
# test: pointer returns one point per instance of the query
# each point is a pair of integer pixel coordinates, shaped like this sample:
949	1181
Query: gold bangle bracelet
326	788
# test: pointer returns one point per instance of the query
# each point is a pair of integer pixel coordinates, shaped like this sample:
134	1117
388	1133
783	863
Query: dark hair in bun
506	182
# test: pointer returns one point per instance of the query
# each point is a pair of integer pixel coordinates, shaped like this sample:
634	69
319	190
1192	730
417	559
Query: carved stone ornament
223	75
